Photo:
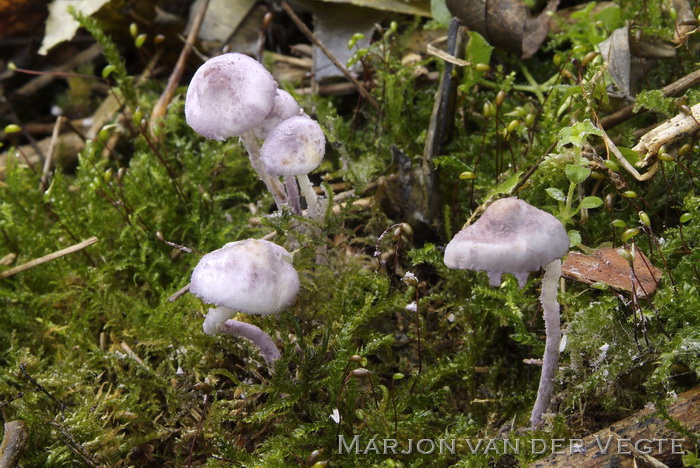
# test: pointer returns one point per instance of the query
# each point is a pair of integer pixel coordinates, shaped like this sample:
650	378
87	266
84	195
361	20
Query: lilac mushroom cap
229	95
284	106
250	276
511	236
294	147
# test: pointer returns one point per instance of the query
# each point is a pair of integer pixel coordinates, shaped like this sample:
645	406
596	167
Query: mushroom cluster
234	95
249	276
517	238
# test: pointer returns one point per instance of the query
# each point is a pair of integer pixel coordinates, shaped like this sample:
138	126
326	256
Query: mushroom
284	106
515	237
296	147
249	276
228	96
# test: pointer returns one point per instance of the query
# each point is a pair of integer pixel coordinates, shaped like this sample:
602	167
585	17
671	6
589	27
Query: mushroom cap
251	276
511	236
284	106
229	95
294	147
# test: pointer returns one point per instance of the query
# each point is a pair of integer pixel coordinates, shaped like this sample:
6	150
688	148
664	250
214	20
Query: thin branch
50	152
675	88
161	106
48	258
317	42
181	292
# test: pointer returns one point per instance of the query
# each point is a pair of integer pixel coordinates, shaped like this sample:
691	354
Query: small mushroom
250	276
296	147
284	106
515	237
229	96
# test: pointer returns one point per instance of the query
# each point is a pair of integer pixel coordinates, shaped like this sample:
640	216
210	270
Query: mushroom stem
310	195
548	298
273	185
293	193
256	335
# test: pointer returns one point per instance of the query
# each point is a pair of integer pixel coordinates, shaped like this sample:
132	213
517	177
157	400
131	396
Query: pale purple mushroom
250	276
284	106
515	237
230	95
296	147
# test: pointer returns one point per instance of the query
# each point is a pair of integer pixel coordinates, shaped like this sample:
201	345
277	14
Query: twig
161	106
639	455
130	352
197	431
673	89
49	153
181	292
317	42
41	388
13	443
612	148
76	447
48	258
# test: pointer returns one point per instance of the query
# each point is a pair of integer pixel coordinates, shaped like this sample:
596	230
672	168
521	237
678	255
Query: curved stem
548	298
268	348
272	183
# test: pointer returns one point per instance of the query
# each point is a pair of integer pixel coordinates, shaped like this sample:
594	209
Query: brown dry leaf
607	266
616	52
507	24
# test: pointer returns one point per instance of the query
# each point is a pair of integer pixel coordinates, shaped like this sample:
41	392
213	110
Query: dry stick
300	24
39	387
159	110
13	443
48	258
637	454
673	89
181	292
49	154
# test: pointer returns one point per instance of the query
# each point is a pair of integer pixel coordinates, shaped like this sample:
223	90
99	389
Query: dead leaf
507	24
60	25
616	53
607	266
334	25
222	19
